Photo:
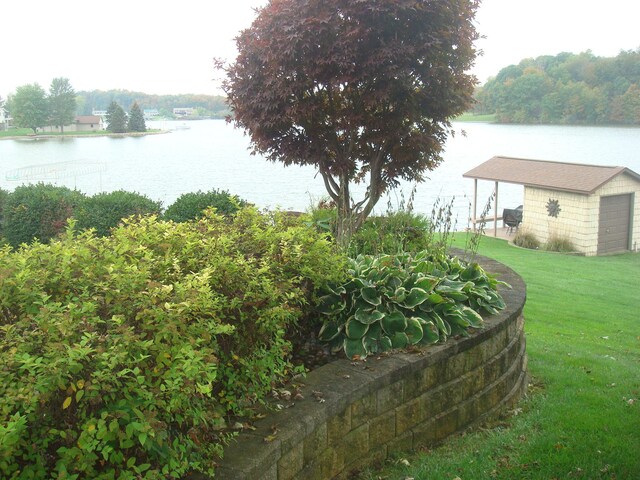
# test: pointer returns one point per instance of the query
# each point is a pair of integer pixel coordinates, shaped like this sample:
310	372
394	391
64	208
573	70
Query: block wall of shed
620	185
577	220
579	214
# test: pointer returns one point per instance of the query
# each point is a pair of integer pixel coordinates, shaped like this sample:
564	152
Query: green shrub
190	206
38	212
105	211
323	216
121	356
398	230
395	232
393	301
3	200
526	239
557	243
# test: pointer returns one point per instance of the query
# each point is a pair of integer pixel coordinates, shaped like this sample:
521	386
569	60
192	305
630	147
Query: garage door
615	223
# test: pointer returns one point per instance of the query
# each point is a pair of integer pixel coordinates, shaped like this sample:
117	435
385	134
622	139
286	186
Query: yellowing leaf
91	428
66	403
80	384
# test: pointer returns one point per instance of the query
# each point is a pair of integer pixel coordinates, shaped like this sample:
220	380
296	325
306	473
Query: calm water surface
212	154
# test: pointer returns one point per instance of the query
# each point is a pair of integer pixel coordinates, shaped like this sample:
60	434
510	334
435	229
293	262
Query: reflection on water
212	154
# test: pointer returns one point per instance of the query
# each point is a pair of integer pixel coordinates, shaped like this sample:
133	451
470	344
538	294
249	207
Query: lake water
212	154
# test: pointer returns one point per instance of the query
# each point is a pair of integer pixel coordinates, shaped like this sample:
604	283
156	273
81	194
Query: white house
183	111
4	120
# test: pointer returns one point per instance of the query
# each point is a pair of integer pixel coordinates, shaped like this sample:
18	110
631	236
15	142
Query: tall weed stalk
477	230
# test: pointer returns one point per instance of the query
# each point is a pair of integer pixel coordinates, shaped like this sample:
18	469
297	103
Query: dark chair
512	218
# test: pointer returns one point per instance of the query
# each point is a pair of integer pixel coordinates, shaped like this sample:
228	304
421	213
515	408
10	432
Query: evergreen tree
116	118
62	102
136	119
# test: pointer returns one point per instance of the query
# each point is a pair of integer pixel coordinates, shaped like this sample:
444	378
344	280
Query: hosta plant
394	301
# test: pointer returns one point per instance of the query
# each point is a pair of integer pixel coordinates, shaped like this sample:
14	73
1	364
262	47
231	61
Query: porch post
495	213
475	203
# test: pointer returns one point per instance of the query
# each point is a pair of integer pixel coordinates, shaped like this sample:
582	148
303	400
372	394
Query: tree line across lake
572	89
30	106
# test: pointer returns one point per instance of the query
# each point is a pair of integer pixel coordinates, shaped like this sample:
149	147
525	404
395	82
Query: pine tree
136	119
116	118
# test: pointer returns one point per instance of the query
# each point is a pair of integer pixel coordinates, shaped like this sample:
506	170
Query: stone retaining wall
356	413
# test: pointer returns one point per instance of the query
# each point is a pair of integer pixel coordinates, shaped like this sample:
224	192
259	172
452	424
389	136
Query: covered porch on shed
595	207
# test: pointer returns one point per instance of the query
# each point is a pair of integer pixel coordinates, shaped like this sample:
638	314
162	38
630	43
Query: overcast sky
168	47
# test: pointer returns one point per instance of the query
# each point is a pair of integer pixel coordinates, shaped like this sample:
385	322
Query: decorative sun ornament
553	208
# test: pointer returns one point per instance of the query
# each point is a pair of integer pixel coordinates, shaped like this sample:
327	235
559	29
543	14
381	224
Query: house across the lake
182	112
4	120
596	207
82	123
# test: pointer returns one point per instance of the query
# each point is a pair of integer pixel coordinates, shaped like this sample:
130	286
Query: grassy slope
582	416
472	117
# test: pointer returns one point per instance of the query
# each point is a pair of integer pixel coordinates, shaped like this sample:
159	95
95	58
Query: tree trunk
345	215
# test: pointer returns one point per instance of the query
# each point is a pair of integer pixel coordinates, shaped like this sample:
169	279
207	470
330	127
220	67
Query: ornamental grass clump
395	301
123	356
559	243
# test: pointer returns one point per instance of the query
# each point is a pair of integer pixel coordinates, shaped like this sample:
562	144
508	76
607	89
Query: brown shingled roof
87	119
570	177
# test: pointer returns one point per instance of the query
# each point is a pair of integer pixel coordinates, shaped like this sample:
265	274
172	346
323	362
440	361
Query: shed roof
569	177
86	119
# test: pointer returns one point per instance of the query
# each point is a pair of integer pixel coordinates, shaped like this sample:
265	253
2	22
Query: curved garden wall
356	413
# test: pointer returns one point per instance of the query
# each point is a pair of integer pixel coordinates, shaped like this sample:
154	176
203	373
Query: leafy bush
557	243
323	216
121	356
105	211
526	239
396	232
3	200
190	206
401	300
38	212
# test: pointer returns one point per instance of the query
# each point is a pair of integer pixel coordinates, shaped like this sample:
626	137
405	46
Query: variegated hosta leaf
354	329
371	295
415	297
394	322
354	348
414	330
329	331
368	316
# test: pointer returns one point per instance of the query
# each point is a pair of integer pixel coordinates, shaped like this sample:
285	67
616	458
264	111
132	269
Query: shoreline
45	136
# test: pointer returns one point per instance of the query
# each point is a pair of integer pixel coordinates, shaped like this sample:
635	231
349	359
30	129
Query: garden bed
346	414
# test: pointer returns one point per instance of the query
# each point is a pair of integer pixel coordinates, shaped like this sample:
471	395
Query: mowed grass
472	117
27	132
16	132
581	417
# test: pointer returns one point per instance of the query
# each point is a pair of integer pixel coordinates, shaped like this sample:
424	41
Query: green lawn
472	117
581	419
27	132
16	132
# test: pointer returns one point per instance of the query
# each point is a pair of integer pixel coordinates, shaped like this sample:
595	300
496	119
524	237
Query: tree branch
330	184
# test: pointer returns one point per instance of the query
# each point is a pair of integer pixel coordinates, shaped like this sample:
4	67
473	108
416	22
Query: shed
87	123
596	207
